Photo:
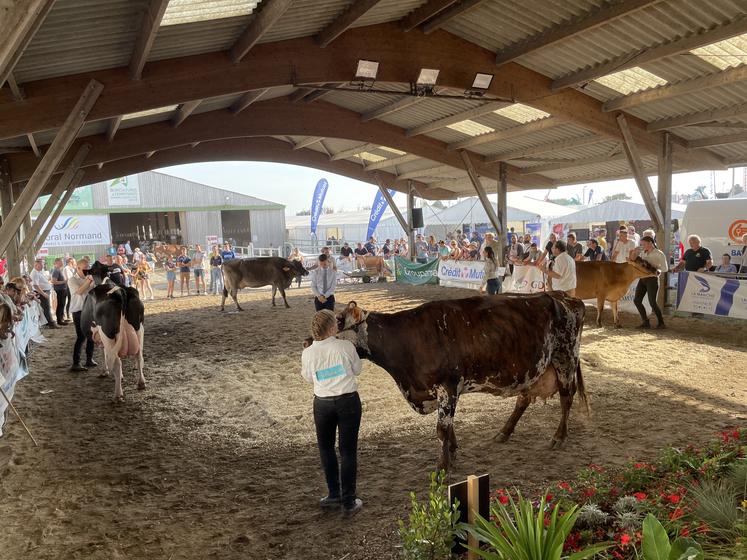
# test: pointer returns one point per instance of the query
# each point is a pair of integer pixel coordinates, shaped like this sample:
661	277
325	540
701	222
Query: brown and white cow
510	345
609	281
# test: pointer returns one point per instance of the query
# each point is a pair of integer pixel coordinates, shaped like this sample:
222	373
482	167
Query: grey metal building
155	206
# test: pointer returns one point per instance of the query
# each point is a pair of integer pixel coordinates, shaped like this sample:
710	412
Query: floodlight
482	81
427	77
367	70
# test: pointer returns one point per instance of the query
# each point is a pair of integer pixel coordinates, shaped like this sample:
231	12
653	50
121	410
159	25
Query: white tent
612	211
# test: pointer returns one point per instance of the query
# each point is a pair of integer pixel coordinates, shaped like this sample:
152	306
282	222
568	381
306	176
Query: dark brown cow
511	345
255	273
608	281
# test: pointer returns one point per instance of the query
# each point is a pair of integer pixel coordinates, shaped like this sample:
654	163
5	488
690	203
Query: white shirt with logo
566	267
656	258
332	365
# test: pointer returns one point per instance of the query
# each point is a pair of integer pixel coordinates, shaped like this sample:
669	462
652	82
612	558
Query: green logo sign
82	199
416	273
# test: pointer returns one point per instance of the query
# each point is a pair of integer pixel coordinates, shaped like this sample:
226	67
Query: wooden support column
56	214
28	253
390	200
411	231
481	194
636	166
664	199
51	161
502	207
6	203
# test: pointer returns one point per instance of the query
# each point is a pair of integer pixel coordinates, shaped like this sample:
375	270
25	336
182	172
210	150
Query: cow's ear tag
286	268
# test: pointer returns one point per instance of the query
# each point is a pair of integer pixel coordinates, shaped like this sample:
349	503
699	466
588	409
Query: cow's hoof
500	437
618	326
287	306
103	374
557	444
119	399
140	385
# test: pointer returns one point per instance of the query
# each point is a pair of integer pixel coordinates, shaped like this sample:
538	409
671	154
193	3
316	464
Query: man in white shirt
633	236
43	287
323	282
563	271
623	247
652	255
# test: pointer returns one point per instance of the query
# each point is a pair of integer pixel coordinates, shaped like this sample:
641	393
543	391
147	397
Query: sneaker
91	363
352	510
78	367
329	502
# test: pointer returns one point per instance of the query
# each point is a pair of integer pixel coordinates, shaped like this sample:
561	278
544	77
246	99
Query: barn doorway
138	227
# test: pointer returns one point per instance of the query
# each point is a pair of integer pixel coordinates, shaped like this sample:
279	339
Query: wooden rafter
544	149
112	127
571	164
76	180
147	36
22	19
699	117
717	140
246	100
343	22
480	190
318	94
15	89
521	130
424	13
387	163
604	14
271	11
32	143
300	94
183	111
428	172
456	118
390	108
644	56
351	152
444	17
306	142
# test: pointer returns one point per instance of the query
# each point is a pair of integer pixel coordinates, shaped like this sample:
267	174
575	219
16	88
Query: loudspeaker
417	218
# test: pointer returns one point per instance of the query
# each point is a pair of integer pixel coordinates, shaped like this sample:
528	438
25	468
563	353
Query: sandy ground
217	458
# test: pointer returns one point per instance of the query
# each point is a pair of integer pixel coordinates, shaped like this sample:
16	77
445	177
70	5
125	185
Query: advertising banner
463	274
712	295
82	199
377	210
415	273
79	230
527	280
317	202
123	191
536	232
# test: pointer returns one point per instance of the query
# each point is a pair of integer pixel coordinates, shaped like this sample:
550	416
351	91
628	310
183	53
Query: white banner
79	230
713	295
527	280
463	274
123	191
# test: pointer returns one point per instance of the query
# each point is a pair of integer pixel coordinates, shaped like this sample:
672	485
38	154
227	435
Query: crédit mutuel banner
713	295
79	230
463	274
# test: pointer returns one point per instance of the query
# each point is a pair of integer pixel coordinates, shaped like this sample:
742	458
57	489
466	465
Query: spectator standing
726	266
602	239
421	250
80	285
650	285
43	287
184	262
116	273
295	256
360	250
490	277
227	254
198	268
563	272
128	251
112	250
216	274
633	236
371	246
126	271
622	249
697	258
574	248
548	254
491	242
385	250
170	267
515	252
476	239
323	282
57	279
137	256
432	246
142	278
403	248
455	252
595	252
333	365
69	272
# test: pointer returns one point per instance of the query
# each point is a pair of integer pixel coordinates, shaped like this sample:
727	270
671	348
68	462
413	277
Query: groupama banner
415	273
377	210
317	203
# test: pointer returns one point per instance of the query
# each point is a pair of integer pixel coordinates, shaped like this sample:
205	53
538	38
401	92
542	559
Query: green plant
521	532
591	516
716	506
430	531
656	544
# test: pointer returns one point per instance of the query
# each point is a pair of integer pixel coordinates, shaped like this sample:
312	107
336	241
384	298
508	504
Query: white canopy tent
613	210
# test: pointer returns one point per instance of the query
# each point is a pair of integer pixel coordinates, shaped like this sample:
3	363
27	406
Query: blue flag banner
377	210
317	202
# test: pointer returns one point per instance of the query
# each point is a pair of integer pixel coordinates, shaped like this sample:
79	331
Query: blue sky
293	186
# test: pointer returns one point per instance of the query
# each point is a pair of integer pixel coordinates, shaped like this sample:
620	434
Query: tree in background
618	196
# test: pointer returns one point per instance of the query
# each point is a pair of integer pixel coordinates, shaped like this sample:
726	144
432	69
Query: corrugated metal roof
179	12
388	10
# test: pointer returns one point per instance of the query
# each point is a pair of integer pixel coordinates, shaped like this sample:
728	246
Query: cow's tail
581	389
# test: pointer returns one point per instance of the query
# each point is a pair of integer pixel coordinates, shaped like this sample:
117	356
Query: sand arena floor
217	458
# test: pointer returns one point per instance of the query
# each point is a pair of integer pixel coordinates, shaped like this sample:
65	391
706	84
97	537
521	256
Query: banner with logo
527	280
463	274
535	230
81	199
712	295
377	210
123	191
317	203
79	230
415	273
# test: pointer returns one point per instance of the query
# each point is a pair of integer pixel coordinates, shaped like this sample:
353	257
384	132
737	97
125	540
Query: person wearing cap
650	285
623	247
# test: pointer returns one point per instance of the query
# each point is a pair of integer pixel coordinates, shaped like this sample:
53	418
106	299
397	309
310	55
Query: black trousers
329	304
61	302
69	297
46	309
81	337
331	414
648	286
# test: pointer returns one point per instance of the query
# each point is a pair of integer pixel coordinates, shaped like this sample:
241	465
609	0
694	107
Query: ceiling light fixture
426	81
480	85
366	71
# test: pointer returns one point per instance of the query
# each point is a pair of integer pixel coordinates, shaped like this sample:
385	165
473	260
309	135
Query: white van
719	223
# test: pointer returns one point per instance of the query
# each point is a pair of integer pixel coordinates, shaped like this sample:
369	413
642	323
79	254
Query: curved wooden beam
252	149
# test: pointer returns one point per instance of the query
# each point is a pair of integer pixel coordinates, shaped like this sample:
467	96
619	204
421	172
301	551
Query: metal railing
252	251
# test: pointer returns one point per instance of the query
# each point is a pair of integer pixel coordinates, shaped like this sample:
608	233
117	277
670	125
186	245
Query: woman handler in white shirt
80	285
333	367
652	255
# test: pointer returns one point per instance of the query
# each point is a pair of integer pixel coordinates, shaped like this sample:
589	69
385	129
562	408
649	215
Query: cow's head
98	271
350	316
294	269
643	268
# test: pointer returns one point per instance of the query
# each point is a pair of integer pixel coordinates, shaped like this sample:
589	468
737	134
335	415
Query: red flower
548	498
685	532
639	496
624	540
676	514
589	492
564	486
640	466
674	498
503	499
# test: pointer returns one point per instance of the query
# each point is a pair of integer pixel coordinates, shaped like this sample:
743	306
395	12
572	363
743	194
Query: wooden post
411	231
30	255
636	166
56	214
51	161
390	200
664	199
473	504
6	203
20	22
502	209
481	194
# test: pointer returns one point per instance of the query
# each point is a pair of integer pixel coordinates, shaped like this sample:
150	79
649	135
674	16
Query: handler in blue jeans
333	366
